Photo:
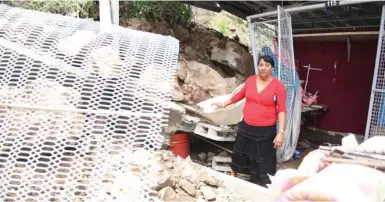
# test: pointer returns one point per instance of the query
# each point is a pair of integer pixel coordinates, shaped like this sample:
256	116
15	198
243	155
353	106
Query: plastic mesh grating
286	66
375	125
274	38
75	103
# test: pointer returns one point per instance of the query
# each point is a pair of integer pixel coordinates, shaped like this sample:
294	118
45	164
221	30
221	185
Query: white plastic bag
340	182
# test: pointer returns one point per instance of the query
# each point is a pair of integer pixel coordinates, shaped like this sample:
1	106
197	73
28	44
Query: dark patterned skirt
254	152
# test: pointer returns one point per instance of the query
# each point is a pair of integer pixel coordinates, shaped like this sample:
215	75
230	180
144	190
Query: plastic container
230	115
180	145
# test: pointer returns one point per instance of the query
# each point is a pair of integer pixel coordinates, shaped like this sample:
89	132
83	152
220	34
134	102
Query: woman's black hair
267	59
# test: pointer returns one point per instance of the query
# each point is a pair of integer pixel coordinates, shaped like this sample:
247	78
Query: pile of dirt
209	64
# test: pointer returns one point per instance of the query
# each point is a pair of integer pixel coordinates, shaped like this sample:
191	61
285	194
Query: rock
240	77
201	82
188	172
180	192
169	165
231	27
208	193
138	24
220	71
167	194
202	156
177	94
214	43
213	181
235	57
210	154
200	184
162	28
181	33
185	198
182	70
205	77
168	156
165	180
194	94
188	187
174	121
190	52
200	178
236	38
182	195
223	153
232	83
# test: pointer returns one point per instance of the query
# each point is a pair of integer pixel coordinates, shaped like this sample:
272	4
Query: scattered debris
208	192
328	165
202	156
189	181
211	154
221	163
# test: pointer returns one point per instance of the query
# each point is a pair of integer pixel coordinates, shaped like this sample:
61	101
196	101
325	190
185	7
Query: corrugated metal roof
365	16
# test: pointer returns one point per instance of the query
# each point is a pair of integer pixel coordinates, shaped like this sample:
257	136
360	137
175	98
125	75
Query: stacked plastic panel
76	104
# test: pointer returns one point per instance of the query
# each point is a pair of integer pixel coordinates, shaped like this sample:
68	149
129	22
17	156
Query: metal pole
307	76
301	8
115	12
105	15
292	48
280	52
109	14
379	46
253	48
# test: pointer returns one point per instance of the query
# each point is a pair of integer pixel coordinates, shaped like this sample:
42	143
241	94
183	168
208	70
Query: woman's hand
278	140
221	104
218	104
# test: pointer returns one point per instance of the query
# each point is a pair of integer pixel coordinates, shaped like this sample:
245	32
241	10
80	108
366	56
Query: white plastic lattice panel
286	62
274	38
74	105
263	36
375	125
285	48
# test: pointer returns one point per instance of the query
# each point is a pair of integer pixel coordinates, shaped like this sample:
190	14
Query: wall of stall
348	97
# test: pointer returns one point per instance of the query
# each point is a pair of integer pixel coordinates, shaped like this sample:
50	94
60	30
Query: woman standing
257	139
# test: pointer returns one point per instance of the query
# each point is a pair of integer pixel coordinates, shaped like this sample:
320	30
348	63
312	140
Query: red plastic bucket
180	145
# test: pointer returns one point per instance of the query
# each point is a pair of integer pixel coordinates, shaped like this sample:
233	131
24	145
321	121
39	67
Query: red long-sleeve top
261	109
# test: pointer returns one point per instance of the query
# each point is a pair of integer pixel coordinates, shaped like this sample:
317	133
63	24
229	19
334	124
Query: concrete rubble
168	178
187	181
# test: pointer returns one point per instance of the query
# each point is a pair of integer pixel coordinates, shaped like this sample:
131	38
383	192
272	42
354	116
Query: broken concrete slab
188	187
208	193
167	194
